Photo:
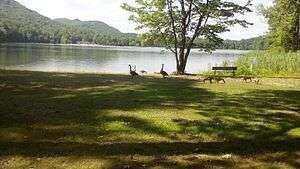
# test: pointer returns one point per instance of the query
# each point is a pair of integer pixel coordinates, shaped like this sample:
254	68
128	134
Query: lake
99	59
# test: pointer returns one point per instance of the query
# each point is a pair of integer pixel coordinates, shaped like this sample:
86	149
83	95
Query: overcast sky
109	11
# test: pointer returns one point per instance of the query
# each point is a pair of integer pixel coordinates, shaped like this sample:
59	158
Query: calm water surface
58	58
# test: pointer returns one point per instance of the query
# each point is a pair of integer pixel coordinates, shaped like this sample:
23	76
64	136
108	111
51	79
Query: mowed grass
60	120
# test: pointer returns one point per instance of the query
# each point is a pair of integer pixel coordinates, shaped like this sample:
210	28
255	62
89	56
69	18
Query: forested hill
19	24
94	26
257	43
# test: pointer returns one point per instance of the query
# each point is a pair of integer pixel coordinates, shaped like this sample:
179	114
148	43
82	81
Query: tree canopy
284	21
178	23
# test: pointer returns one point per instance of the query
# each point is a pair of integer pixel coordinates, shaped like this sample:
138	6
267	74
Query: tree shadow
36	101
51	114
259	114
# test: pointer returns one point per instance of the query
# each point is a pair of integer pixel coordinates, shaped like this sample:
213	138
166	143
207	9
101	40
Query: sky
110	12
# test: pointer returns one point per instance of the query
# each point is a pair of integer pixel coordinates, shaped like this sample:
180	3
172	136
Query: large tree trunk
181	68
182	61
298	28
296	36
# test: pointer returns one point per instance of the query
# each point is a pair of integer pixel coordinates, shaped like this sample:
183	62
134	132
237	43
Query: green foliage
65	38
284	21
15	26
176	24
19	24
163	18
2	34
269	63
258	43
91	26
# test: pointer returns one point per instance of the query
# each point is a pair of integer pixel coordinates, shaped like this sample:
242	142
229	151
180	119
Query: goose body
162	72
132	72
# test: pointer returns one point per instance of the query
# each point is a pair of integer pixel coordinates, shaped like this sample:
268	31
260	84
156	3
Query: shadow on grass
238	147
256	115
40	110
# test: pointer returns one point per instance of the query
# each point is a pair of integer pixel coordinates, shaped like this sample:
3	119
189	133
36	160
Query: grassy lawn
58	120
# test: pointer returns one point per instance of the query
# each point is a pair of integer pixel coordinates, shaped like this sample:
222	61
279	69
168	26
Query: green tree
177	23
284	21
65	38
3	33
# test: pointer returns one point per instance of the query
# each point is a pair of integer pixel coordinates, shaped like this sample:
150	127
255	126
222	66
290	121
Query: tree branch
170	11
197	32
189	13
183	29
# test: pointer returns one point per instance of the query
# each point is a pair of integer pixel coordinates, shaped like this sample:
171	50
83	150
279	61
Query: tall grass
269	63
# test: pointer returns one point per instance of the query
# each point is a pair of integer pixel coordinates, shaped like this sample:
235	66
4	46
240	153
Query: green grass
270	63
60	120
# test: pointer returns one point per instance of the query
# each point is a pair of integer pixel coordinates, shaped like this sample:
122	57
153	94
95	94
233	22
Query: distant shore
158	49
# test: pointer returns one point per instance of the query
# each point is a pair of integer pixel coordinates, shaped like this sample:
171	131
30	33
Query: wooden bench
233	69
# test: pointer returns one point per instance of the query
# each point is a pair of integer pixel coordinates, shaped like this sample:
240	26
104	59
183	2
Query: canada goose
132	72
212	78
219	79
162	72
247	79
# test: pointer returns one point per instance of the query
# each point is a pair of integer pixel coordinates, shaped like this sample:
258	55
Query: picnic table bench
233	69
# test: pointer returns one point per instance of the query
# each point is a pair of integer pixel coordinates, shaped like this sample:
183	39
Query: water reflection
38	57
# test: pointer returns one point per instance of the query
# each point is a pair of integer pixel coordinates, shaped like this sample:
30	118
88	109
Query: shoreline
141	75
61	72
121	47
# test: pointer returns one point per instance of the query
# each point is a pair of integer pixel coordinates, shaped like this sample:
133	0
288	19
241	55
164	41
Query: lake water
97	59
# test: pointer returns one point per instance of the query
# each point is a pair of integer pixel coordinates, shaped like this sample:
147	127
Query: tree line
61	35
257	43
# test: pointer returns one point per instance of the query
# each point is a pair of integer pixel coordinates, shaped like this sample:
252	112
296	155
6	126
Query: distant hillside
19	24
257	43
95	26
